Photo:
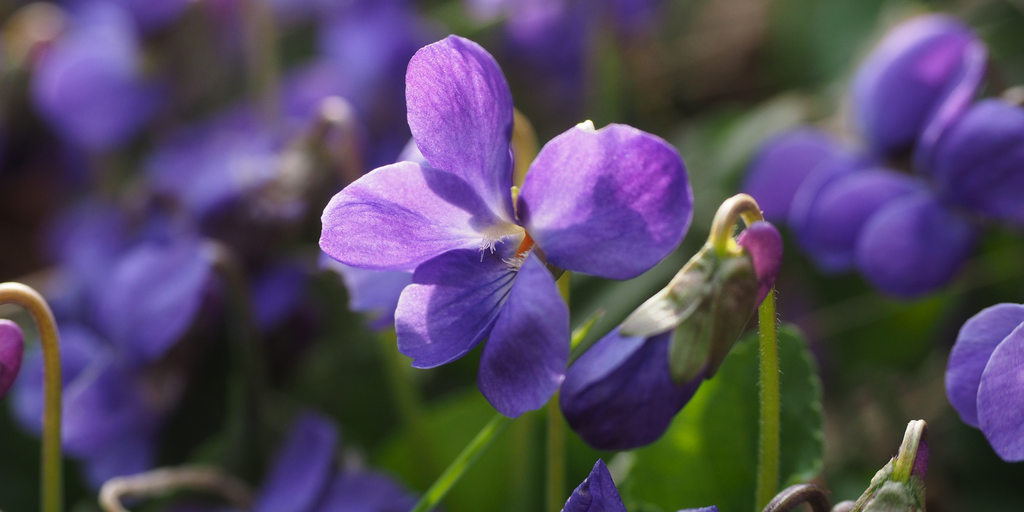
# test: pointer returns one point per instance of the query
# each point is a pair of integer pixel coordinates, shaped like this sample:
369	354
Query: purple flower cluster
609	202
907	234
123	302
985	377
597	493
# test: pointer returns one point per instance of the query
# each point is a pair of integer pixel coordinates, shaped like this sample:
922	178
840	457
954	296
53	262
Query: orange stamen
525	246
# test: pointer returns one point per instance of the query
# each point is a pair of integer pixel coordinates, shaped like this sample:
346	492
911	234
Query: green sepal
678	301
894	488
734	303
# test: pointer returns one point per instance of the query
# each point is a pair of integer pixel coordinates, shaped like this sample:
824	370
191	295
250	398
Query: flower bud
899	486
12	346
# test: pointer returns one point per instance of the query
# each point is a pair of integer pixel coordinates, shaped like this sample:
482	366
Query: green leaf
709	454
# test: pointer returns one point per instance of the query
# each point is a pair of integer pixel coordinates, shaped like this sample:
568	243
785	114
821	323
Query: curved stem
796	495
49	339
768	435
463	462
160	482
734	208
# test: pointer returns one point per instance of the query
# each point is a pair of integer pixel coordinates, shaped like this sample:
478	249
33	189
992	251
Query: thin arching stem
796	495
164	481
49	339
732	210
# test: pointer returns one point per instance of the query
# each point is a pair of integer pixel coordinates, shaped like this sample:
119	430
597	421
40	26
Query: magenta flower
609	202
12	347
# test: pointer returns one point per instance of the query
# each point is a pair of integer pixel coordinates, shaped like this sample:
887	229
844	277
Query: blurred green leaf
709	454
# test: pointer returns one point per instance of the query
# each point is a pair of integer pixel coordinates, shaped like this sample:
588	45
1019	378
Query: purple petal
401	215
781	166
302	467
832	226
907	78
702	509
133	453
12	348
460	113
374	292
913	246
452	304
154	294
79	347
978	338
1000	401
962	91
978	163
524	359
619	395
611	202
764	244
920	468
89	85
366	492
597	493
832	168
102	406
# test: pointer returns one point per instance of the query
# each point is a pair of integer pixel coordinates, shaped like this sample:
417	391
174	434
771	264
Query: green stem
49	339
555	496
768	438
556	457
462	463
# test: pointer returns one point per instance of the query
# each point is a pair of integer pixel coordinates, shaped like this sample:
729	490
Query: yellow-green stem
769	426
49	339
555	495
734	208
461	464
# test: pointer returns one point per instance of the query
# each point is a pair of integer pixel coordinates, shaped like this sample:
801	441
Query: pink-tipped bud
12	347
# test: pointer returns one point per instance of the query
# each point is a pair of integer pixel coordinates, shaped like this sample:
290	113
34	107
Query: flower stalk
555	496
444	483
26	297
742	206
160	482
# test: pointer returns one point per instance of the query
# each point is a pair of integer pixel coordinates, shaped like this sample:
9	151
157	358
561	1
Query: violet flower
111	412
621	394
12	347
303	476
782	164
609	202
90	85
597	493
925	70
985	376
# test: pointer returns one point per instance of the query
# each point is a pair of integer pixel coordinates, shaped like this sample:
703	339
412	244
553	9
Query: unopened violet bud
910	76
782	165
620	395
12	348
983	377
978	163
597	493
764	244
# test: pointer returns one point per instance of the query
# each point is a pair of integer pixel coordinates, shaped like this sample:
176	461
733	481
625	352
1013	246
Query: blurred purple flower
303	477
978	164
90	85
153	294
611	202
12	348
277	293
985	376
111	412
782	165
148	15
925	70
619	395
214	164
